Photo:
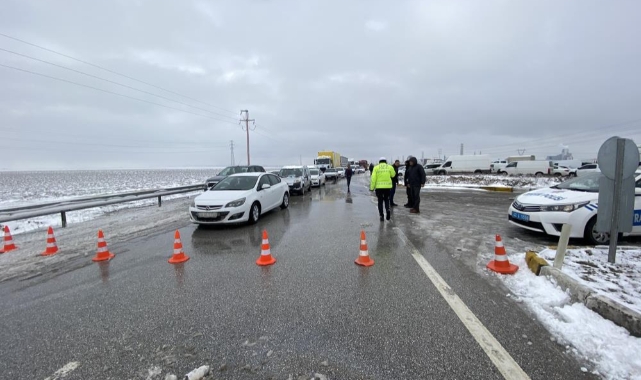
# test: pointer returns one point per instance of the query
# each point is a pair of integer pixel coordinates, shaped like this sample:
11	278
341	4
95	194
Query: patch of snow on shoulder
609	348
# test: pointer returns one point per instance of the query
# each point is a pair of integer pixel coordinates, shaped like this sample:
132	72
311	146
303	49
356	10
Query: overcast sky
364	78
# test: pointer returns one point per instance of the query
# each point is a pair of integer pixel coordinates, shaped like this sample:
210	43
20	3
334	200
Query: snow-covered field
620	281
471	181
611	350
28	188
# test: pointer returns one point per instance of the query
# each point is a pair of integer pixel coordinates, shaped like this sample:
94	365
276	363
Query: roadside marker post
563	246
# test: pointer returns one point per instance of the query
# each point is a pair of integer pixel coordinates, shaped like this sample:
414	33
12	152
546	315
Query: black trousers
349	180
415	192
383	197
408	191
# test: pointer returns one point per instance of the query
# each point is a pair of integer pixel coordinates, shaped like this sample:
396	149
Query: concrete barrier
605	307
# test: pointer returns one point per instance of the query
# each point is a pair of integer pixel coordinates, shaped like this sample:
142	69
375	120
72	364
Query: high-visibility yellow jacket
382	176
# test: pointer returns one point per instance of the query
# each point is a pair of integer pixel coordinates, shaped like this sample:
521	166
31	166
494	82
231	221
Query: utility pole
246	128
231	146
461	149
440	153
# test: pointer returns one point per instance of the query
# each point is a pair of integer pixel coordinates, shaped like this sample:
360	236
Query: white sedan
573	202
586	169
240	198
318	177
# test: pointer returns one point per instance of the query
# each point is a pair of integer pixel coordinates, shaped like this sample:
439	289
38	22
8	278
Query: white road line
497	354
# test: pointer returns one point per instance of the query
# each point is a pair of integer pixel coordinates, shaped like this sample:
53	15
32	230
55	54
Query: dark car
211	182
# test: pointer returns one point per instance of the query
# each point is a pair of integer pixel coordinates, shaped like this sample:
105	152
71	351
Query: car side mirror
266	186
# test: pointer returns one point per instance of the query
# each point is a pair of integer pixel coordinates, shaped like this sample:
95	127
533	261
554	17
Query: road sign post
618	160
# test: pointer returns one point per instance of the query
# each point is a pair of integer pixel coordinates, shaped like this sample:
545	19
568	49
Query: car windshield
291	173
589	183
330	171
233	170
236	183
314	172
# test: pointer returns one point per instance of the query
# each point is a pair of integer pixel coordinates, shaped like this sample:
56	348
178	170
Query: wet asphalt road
313	313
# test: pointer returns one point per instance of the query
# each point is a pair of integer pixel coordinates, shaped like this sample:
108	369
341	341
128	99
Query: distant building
565	155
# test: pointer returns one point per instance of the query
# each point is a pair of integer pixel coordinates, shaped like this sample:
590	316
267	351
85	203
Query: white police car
572	202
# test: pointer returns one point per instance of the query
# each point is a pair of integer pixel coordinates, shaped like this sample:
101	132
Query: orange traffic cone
179	256
501	264
103	254
52	248
265	252
8	241
363	256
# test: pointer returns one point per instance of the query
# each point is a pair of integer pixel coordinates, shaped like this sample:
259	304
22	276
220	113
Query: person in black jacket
348	176
407	186
416	180
396	165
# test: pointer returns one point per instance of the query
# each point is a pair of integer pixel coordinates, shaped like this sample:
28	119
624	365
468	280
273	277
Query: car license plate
519	216
208	215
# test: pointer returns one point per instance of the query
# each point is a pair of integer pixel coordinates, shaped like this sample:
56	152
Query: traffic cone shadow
501	264
179	271
104	271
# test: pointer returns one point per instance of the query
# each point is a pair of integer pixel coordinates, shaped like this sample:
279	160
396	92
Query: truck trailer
328	159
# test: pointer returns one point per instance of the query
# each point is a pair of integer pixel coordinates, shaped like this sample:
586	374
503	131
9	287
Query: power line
113	93
57	150
113	72
103	137
169	149
113	82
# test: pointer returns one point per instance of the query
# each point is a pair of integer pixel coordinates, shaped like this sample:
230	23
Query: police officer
381	182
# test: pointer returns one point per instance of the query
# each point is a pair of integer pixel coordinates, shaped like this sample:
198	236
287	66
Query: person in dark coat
396	165
371	167
416	180
348	176
407	187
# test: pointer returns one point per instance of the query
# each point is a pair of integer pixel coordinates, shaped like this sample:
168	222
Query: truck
328	159
344	162
520	158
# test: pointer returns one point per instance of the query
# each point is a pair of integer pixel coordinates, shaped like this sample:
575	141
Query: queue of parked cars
240	194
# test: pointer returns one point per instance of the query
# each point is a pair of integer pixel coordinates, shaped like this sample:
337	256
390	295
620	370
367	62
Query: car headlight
564	208
236	203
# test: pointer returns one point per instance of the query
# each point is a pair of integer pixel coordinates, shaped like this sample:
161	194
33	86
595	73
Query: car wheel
254	213
285	203
572	175
538	174
592	236
478	172
442	172
557	175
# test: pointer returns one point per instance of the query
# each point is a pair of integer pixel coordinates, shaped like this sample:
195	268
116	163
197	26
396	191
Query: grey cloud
363	78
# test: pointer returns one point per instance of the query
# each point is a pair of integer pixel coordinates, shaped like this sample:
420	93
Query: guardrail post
63	216
159	201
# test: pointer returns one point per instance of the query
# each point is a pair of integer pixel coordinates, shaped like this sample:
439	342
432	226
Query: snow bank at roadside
491	180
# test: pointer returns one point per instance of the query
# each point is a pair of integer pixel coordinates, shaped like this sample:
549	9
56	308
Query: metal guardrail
74	204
